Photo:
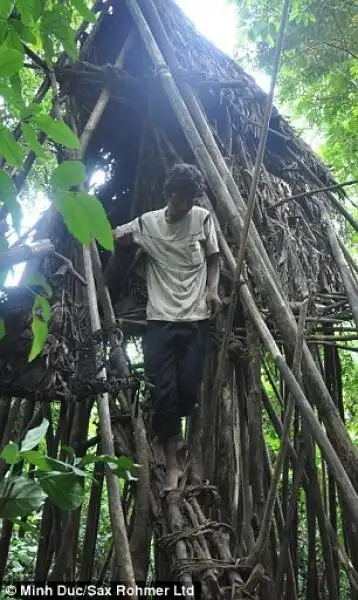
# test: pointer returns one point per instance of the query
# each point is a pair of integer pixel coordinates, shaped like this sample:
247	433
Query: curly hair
186	181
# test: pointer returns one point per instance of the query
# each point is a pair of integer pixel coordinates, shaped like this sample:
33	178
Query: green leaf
74	216
56	23
63	489
24	32
41	314
123	464
40	281
47	464
68	174
124	474
11	95
2	329
37	8
91	458
40	331
10	149
36	458
3	30
30	136
58	132
6	7
58	465
11	61
19	497
25	8
82	8
8	197
15	82
25	526
68	449
10	453
7	187
34	436
29	111
42	308
13	41
99	224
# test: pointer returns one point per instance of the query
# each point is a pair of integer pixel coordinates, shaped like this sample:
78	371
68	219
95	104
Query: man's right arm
128	233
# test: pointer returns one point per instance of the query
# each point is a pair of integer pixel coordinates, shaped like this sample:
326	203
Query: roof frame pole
104	98
251	199
225	189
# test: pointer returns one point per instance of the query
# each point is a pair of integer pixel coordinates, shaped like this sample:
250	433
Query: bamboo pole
234	207
271	344
302	402
251	202
270	503
350	260
121	543
91	534
109	316
328	188
259	322
104	98
280	524
340	475
289	524
140	537
328	194
122	551
310	484
352	292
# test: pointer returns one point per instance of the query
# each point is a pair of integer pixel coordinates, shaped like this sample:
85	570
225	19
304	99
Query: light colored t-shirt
176	268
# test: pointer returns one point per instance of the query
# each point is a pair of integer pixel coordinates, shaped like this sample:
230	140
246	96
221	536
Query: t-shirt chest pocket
195	250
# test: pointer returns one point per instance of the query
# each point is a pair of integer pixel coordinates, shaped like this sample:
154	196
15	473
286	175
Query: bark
255	420
89	544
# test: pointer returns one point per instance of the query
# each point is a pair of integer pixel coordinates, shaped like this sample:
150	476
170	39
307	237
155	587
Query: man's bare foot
172	477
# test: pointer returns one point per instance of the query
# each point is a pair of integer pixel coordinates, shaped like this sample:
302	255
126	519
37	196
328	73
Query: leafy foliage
47	28
19	497
61	482
319	71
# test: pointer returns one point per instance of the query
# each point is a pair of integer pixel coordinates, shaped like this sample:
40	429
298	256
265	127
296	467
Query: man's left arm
213	266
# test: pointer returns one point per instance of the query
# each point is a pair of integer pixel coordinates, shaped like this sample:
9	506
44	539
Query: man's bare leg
173	471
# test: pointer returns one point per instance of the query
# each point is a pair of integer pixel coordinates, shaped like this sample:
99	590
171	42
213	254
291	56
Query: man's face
178	207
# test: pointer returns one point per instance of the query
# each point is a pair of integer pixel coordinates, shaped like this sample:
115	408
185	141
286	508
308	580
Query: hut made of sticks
148	92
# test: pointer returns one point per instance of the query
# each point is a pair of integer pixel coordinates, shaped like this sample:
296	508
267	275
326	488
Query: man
182	279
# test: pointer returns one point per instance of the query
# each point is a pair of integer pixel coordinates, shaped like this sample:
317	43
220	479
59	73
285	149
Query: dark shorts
174	356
